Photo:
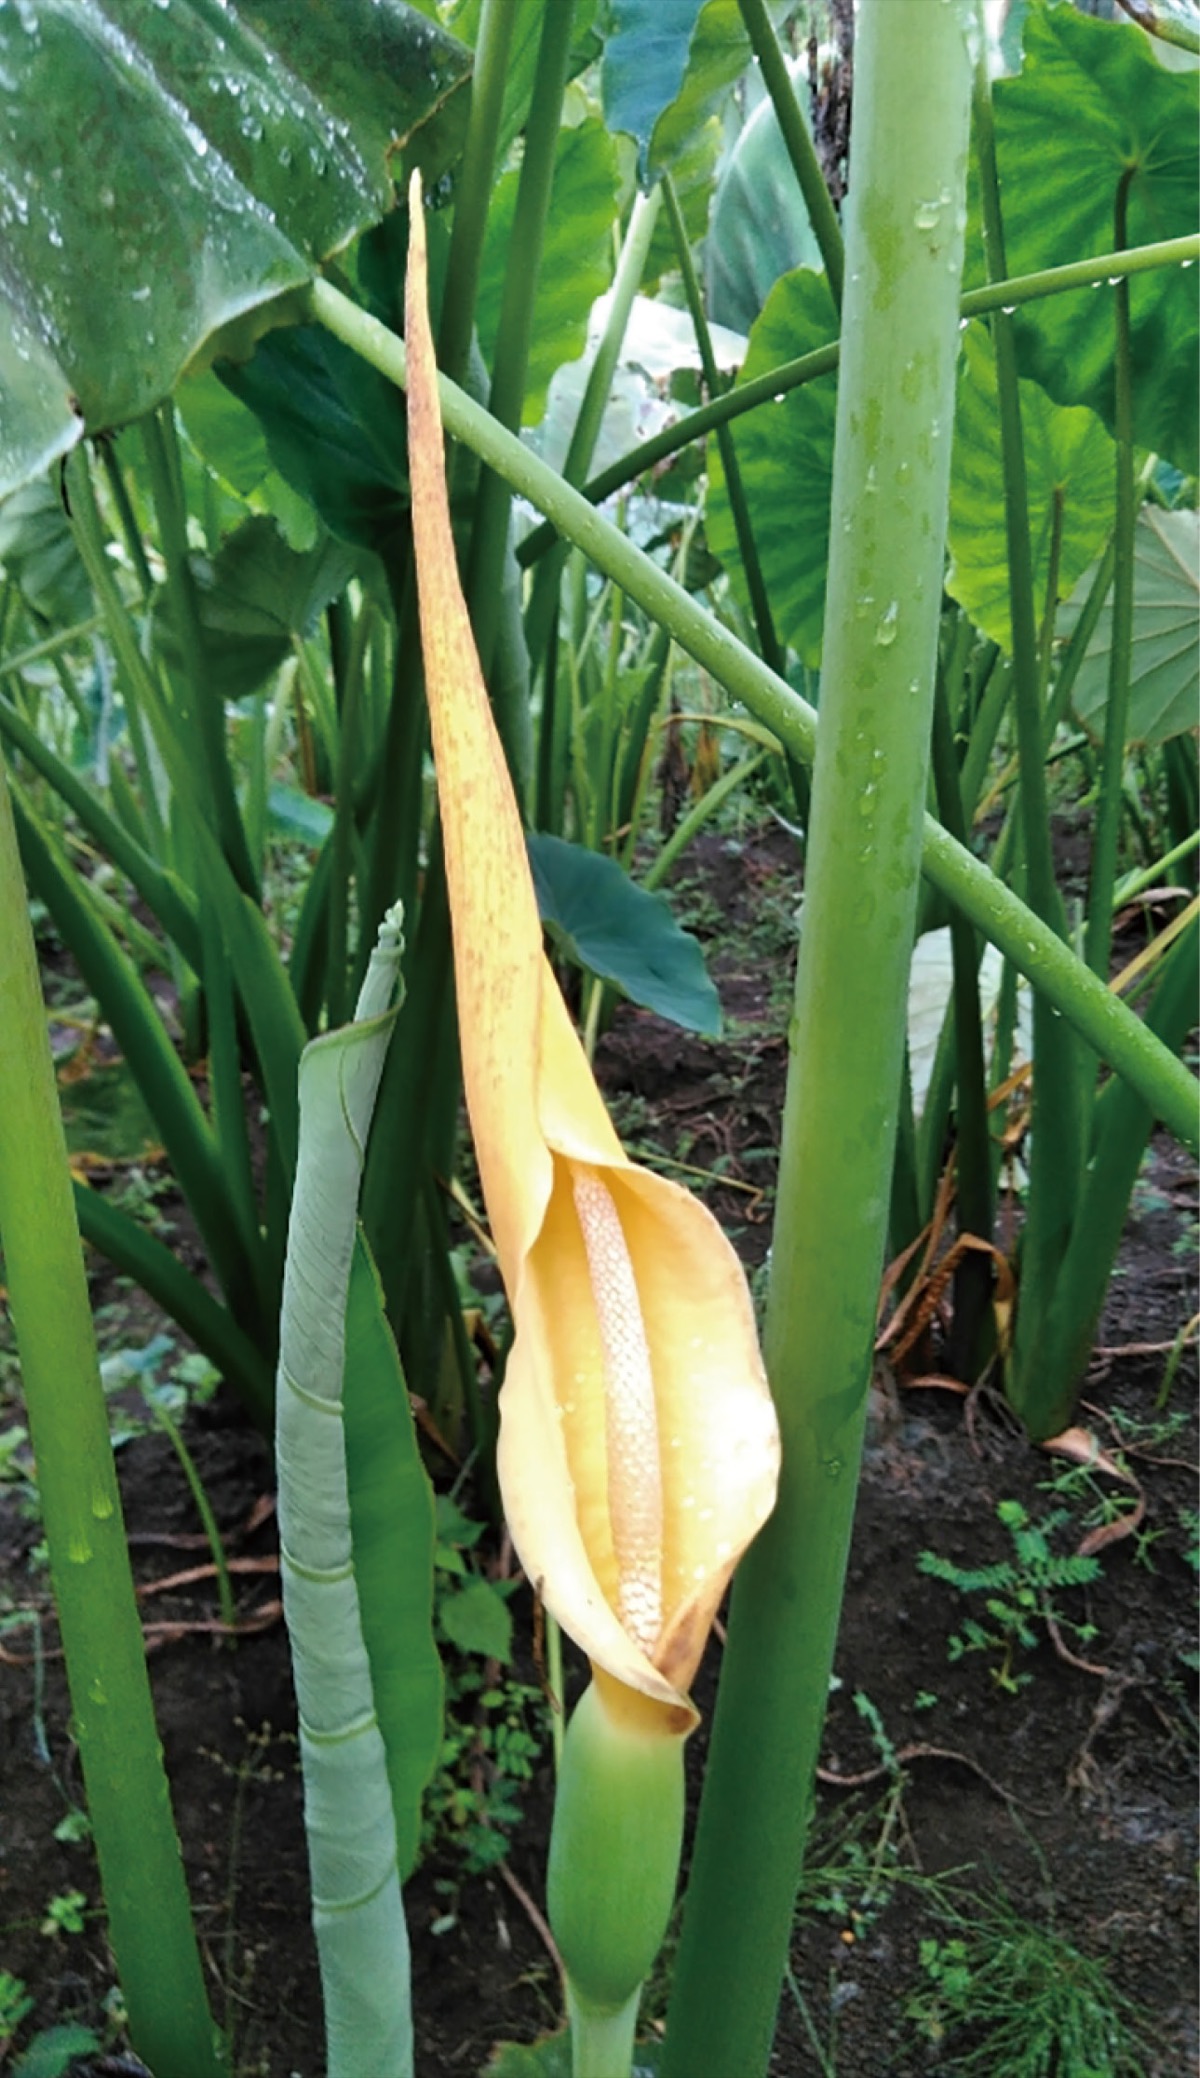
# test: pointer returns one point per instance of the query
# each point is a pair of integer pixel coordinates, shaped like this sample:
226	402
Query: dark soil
1074	1793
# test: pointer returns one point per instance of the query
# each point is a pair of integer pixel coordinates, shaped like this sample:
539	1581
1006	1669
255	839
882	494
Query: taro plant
262	293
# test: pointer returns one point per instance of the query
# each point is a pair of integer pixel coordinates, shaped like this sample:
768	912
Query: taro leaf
1068	455
334	428
39	553
477	1619
785	452
299	815
666	69
231	443
253	598
760	227
1090	104
622	933
930	986
687	139
576	258
1165	672
169	175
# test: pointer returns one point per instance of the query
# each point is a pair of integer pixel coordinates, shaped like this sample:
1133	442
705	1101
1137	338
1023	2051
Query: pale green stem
1035	950
601	2043
895	413
1135	883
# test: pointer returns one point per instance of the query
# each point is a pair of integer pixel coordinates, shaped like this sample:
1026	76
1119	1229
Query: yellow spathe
639	1451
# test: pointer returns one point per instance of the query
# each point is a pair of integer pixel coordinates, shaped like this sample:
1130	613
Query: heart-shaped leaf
1165	674
1091	113
1070	470
622	933
760	227
170	174
785	454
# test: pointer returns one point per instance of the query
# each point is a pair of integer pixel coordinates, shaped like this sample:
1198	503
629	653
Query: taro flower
639	1450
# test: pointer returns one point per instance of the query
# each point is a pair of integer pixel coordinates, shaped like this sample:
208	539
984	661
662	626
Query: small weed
947	1968
1019	1594
15	2006
850	1871
65	1913
494	1726
1100	1508
1030	2004
74	1827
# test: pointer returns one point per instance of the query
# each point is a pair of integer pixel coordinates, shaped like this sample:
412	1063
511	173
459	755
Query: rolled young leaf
358	1915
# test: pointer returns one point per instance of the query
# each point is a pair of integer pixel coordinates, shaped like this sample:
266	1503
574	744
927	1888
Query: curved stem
790	375
1035	950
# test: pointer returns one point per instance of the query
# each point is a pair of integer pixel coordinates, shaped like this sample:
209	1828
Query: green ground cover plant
947	543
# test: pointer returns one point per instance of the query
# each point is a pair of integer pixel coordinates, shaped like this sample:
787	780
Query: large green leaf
622	933
785	454
667	67
230	441
576	258
39	553
1165	668
1090	107
391	1520
334	428
760	227
1068	457
252	598
169	174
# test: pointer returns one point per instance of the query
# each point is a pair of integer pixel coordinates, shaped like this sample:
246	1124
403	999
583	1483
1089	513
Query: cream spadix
638	1451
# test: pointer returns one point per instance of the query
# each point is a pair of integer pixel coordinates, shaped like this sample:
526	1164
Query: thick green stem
794	131
1098	942
474	191
890	493
128	1798
489	537
1035	950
